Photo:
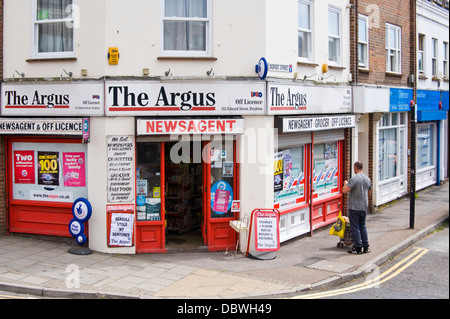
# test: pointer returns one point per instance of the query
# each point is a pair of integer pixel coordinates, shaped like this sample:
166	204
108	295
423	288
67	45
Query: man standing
358	188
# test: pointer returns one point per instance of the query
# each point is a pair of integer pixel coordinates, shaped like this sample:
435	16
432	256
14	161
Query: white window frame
434	57
445	60
35	31
421	41
395	52
364	44
187	53
387	123
309	31
338	37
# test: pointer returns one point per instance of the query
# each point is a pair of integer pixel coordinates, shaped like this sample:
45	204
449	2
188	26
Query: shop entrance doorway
185	191
184	197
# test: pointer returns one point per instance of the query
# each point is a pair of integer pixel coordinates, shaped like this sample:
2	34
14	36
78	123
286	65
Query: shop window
391	143
325	169
54	28
49	172
148	182
425	146
289	178
186	27
223	177
388	154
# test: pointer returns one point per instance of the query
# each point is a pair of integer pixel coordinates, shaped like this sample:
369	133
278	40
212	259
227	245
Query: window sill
399	75
362	70
336	67
305	63
186	58
422	77
69	59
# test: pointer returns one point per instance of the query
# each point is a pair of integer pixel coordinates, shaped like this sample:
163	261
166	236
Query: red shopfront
45	174
186	182
311	150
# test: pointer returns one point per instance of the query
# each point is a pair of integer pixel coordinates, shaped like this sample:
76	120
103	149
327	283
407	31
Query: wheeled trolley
347	239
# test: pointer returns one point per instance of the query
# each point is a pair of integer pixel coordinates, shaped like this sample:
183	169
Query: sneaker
355	251
366	250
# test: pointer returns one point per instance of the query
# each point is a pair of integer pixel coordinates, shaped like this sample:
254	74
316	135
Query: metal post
412	192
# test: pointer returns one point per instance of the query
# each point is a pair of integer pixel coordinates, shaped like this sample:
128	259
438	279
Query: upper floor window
304	30
434	57
186	27
445	61
421	54
334	35
393	48
363	41
53	28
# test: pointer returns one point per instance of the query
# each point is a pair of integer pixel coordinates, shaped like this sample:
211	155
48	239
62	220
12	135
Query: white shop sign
297	99
187	126
144	98
120	165
309	124
52	99
41	126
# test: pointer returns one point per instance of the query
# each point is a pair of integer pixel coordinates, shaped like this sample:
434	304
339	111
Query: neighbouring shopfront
46	157
432	108
309	158
187	169
392	147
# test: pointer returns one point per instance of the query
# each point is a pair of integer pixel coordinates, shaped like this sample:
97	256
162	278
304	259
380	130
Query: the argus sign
267	231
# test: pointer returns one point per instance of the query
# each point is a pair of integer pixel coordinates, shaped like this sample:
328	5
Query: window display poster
24	170
221	201
74	169
121	231
48	168
278	172
221	197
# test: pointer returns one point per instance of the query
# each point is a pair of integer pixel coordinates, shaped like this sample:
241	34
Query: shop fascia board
371	99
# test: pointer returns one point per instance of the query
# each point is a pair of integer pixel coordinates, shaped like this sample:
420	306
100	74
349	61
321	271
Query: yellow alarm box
113	56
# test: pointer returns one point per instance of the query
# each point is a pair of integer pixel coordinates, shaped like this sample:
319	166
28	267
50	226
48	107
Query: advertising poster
278	172
267	231
121	231
221	201
48	168
24	170
120	165
74	169
221	197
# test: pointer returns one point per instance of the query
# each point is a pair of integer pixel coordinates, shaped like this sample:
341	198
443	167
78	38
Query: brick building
383	68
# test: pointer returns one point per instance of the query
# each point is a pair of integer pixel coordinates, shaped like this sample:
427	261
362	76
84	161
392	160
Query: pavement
47	269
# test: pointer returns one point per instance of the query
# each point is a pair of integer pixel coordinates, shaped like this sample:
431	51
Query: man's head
358	167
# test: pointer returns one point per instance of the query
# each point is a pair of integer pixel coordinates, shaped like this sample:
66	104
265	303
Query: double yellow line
387	275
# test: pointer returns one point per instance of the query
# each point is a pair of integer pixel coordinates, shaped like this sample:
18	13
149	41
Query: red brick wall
381	12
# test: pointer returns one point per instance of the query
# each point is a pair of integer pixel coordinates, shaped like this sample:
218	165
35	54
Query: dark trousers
358	227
